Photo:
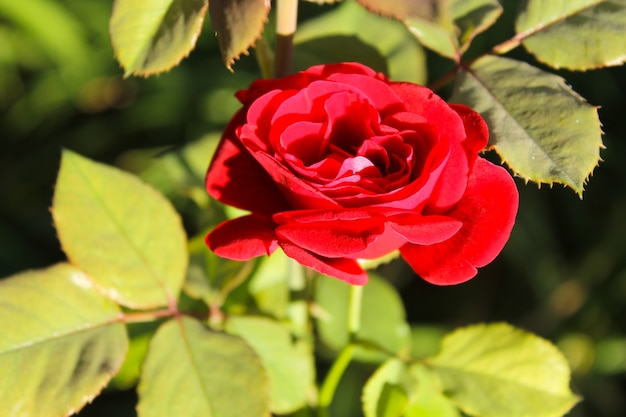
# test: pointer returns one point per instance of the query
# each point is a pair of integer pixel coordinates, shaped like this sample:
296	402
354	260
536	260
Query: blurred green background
562	274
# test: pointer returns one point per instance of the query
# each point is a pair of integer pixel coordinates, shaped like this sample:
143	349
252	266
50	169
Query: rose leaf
499	371
152	36
60	342
398	388
289	364
473	17
184	374
539	126
578	34
430	21
383	318
364	37
125	235
238	24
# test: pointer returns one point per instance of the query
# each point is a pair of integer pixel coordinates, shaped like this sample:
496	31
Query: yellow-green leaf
574	34
238	24
152	36
120	231
61	341
192	371
499	371
541	128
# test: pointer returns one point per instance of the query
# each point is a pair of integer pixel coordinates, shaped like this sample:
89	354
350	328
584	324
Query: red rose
337	163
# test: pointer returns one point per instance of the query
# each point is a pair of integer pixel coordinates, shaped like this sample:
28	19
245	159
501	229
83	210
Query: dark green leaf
499	371
191	371
120	231
577	34
239	24
61	341
152	36
541	128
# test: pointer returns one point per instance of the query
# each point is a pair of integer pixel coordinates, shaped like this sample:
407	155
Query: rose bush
337	163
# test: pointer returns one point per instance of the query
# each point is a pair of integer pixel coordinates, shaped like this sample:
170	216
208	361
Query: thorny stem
286	22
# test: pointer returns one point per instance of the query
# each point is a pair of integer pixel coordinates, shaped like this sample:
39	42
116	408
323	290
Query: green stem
286	22
327	392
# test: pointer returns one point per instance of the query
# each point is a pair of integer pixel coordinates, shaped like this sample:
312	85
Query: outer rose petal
487	211
347	270
243	238
236	178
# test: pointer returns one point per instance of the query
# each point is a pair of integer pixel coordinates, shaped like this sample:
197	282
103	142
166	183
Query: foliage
219	328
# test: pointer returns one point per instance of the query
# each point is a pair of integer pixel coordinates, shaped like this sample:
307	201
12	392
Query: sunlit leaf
239	24
473	17
398	388
349	23
385	393
289	364
269	286
351	33
541	128
499	371
120	231
192	371
382	316
61	341
430	21
576	34
152	36
427	399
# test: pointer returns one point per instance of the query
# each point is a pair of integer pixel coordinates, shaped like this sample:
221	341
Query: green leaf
577	34
541	128
473	17
429	21
357	35
427	399
269	286
383	319
499	371
61	341
152	36
400	389
239	24
384	394
290	365
120	231
192	371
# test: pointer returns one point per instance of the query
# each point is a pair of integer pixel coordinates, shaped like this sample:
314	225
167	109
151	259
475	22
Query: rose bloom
337	164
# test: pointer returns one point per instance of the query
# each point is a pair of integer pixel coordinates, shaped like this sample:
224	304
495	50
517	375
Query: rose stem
286	21
327	391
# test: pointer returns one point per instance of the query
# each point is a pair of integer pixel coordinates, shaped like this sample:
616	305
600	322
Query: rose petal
347	270
243	238
424	230
333	239
236	178
297	192
487	211
461	160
